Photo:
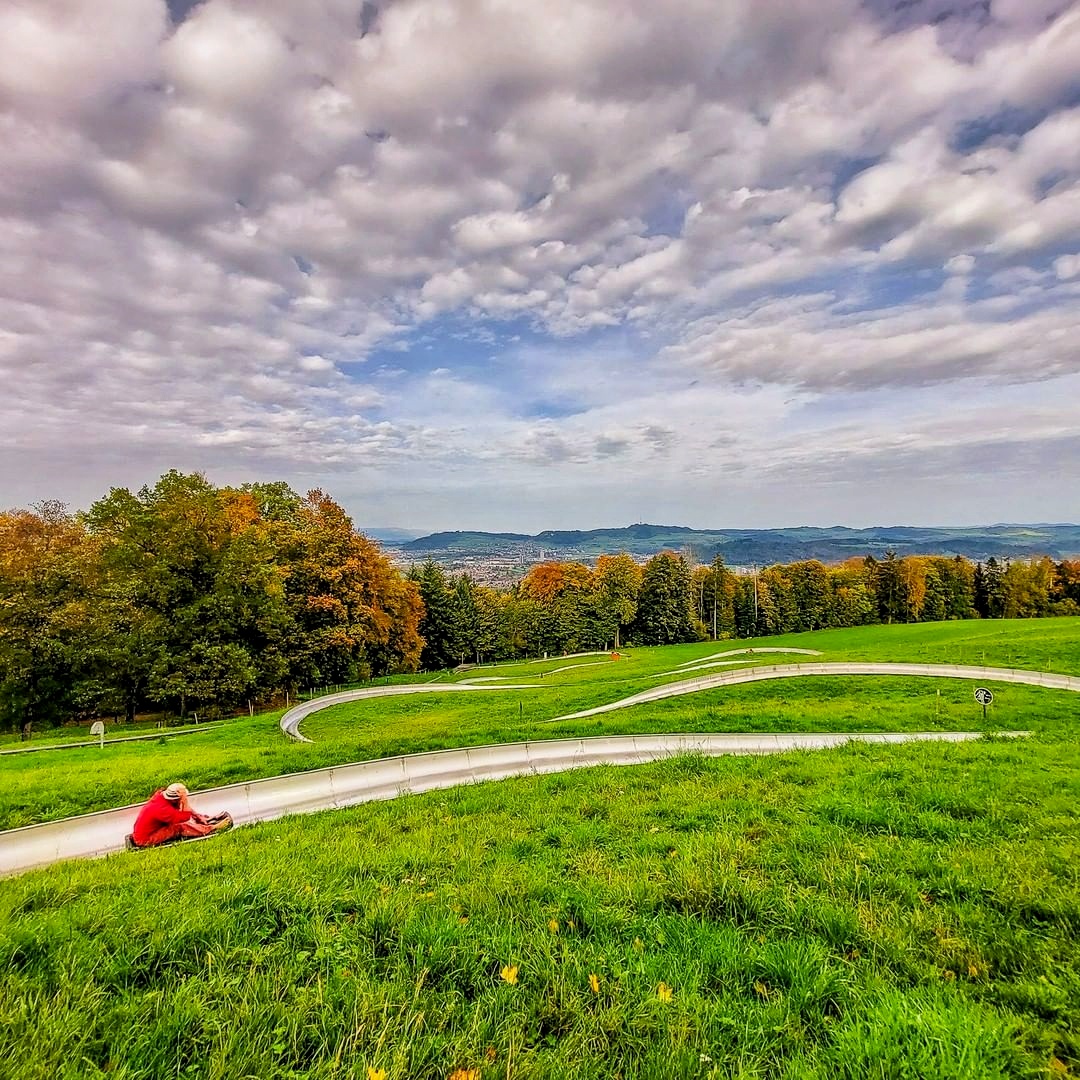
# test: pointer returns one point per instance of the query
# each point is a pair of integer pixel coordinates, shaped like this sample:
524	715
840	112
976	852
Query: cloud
220	222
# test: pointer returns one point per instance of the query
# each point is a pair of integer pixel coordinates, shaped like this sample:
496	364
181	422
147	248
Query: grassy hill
59	783
763	546
875	911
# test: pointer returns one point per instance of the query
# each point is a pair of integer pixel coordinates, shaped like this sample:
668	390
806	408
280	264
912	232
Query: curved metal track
794	671
290	721
347	785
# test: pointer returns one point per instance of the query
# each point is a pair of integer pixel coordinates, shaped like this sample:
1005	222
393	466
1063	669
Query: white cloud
208	229
1067	266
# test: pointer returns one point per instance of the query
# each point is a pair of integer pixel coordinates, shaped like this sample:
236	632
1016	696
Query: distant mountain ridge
743	547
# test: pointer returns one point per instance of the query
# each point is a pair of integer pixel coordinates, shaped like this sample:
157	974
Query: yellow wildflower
375	1074
465	1074
761	990
553	926
509	974
594	984
663	992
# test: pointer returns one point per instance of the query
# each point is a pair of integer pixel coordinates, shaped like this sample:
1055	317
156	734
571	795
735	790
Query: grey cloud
169	169
609	447
659	438
810	341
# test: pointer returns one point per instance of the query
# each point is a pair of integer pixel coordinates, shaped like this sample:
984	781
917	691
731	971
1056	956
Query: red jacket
157	812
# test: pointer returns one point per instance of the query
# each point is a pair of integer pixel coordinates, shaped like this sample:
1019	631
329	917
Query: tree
994	575
45	563
663	616
185	568
199	583
616	585
852	603
890	588
777	611
912	572
493	639
808	583
981	598
466	619
958	578
218	675
1065	591
1028	586
714	588
936	598
561	594
437	623
354	615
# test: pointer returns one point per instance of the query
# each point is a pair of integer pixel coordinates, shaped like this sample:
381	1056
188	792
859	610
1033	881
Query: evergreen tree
958	577
466	620
980	593
891	589
745	607
995	589
437	624
808	583
934	604
663	616
777	613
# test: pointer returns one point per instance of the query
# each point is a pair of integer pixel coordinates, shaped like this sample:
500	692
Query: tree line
568	607
188	597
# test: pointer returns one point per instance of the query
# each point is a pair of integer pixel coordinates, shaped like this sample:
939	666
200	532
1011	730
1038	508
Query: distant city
503	558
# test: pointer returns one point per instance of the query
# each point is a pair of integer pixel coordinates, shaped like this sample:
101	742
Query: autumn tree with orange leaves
191	596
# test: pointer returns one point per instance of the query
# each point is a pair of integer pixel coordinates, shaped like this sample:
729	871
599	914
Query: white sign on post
98	728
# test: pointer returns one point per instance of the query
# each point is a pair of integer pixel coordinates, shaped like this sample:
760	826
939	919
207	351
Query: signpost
98	728
984	697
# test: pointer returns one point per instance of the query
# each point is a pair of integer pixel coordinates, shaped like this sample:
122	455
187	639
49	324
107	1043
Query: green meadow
59	783
901	912
886	912
870	912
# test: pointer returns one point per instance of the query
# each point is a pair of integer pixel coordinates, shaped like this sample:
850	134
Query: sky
508	265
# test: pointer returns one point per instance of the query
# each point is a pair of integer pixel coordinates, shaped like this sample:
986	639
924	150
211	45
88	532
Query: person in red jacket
168	815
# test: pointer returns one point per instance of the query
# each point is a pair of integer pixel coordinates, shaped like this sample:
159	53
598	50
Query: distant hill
466	541
392	536
744	547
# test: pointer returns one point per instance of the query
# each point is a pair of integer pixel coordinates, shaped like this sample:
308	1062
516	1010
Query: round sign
97	728
983	696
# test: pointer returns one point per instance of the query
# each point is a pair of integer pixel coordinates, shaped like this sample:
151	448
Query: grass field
43	787
901	913
81	733
908	912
